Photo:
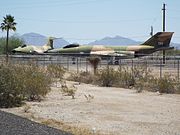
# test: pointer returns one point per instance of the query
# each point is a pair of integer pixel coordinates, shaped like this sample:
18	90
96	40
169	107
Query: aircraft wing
54	50
38	49
114	53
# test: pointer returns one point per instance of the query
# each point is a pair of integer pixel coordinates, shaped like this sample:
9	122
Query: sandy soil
111	110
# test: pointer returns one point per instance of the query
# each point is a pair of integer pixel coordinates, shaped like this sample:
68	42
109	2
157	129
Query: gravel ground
11	124
111	110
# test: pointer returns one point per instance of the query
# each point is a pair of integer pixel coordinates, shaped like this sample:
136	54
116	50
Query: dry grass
68	91
72	129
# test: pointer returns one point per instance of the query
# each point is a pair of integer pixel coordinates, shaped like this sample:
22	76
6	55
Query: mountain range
117	40
38	39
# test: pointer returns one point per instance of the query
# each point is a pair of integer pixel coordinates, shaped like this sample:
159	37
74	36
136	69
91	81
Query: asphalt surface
14	125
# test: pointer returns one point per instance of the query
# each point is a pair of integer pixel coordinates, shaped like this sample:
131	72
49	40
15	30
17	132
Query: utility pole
164	25
151	33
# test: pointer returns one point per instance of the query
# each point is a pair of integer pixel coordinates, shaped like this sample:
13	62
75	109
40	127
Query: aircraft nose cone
13	51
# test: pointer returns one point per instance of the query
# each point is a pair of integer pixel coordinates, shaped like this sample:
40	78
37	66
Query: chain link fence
78	64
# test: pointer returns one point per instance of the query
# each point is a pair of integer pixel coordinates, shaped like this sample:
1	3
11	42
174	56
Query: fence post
68	63
132	67
100	62
86	65
160	68
146	65
174	62
80	63
120	64
178	70
77	64
107	61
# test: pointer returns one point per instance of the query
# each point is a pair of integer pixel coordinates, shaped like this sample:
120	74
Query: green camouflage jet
33	49
160	41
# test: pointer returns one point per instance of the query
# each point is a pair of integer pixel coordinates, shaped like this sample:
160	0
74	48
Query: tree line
13	42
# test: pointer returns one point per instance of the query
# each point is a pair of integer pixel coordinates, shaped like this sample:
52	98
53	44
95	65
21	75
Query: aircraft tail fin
50	42
160	41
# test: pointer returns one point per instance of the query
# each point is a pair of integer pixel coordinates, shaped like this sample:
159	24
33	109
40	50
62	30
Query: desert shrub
177	87
143	78
107	77
145	81
165	84
36	82
26	108
125	78
84	77
68	91
119	78
56	71
11	93
19	83
138	77
140	72
74	77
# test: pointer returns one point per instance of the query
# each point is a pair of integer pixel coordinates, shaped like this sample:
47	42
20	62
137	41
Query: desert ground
107	110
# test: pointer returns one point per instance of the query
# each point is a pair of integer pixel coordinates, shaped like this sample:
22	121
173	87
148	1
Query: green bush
19	83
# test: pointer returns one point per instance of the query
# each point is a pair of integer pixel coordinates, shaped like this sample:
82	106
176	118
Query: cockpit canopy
71	46
24	45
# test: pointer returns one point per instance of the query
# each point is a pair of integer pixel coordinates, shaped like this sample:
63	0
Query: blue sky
84	21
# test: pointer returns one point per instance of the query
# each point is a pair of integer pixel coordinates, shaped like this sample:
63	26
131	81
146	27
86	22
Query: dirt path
112	110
